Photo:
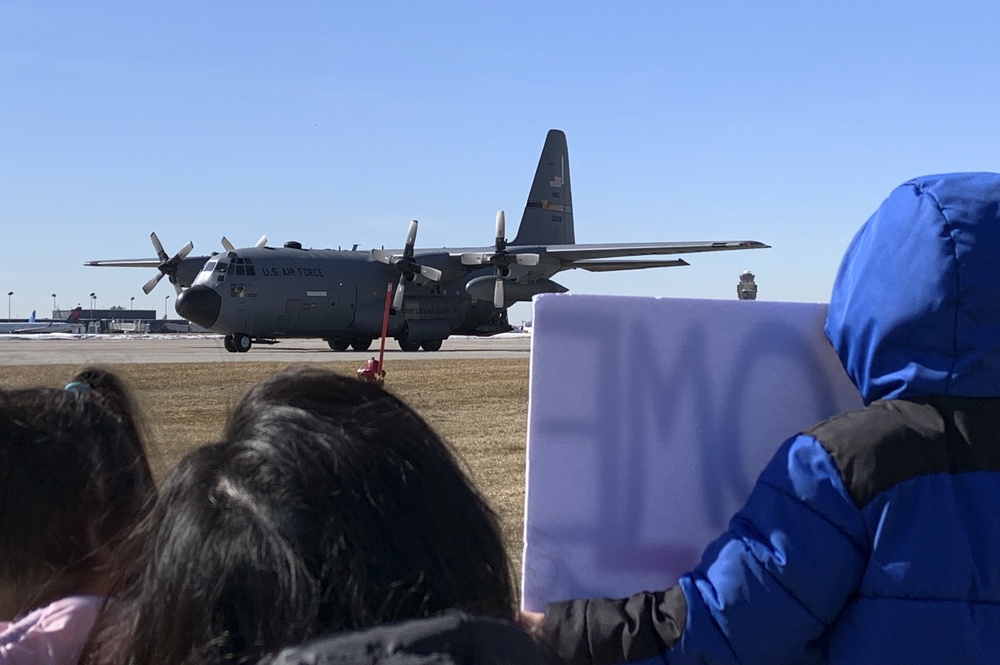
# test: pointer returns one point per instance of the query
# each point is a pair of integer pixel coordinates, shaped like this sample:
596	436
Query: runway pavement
124	349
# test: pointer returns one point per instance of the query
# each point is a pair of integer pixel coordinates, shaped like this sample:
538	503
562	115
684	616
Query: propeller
406	264
168	265
229	246
500	259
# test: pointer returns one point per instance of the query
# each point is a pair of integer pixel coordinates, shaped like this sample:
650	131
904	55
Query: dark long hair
74	479
330	505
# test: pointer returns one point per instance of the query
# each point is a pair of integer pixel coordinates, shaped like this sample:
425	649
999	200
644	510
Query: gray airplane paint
262	294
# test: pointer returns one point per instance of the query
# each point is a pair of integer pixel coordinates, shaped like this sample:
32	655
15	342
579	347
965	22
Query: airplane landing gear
237	343
431	344
407	345
359	344
241	342
362	344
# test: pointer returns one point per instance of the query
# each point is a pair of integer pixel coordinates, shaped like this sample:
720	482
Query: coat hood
915	307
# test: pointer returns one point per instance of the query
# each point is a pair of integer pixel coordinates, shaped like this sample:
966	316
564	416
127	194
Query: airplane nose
199	304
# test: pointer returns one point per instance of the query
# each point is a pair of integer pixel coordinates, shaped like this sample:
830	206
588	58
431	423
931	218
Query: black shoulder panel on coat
894	440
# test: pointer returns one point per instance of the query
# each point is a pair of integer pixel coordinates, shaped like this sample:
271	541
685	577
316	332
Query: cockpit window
210	266
222	266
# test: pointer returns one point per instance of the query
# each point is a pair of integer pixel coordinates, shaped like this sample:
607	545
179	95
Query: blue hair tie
77	387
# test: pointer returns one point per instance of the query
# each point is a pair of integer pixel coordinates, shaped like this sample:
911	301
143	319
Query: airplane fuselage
333	294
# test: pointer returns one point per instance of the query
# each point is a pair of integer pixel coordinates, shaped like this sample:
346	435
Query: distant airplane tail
548	213
31	319
74	315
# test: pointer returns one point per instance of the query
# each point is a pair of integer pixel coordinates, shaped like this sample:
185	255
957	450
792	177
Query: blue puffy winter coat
873	537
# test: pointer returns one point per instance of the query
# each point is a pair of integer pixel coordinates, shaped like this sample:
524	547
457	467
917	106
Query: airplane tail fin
548	213
31	319
74	315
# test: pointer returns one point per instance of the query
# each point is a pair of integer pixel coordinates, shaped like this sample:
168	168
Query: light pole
165	299
54	308
132	299
9	294
93	299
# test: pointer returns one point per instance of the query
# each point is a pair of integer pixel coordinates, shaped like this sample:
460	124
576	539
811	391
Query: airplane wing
591	256
574	253
608	266
184	269
127	263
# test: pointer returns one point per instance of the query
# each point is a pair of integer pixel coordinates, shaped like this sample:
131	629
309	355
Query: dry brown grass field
479	406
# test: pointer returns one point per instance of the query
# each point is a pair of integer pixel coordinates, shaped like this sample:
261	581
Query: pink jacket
51	635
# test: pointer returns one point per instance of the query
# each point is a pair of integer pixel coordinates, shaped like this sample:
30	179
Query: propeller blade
498	294
382	256
176	261
397	300
185	250
526	259
151	284
411	239
229	246
158	247
406	265
168	266
501	240
475	259
430	273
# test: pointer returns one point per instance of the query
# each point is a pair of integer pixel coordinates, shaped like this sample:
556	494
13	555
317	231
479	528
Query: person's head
915	308
74	478
330	505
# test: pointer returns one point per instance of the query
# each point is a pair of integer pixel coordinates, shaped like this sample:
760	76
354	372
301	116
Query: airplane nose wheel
237	343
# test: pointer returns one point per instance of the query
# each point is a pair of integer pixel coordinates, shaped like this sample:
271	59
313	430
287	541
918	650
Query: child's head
330	506
74	477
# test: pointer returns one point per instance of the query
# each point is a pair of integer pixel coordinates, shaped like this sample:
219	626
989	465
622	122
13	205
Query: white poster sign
649	420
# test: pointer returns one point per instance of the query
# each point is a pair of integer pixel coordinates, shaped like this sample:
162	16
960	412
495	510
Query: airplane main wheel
241	342
227	341
338	344
361	344
431	345
407	345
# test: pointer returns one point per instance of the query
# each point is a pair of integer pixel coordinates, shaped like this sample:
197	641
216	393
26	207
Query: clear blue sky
334	123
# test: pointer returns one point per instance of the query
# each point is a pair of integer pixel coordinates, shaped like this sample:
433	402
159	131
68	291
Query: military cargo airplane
261	294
